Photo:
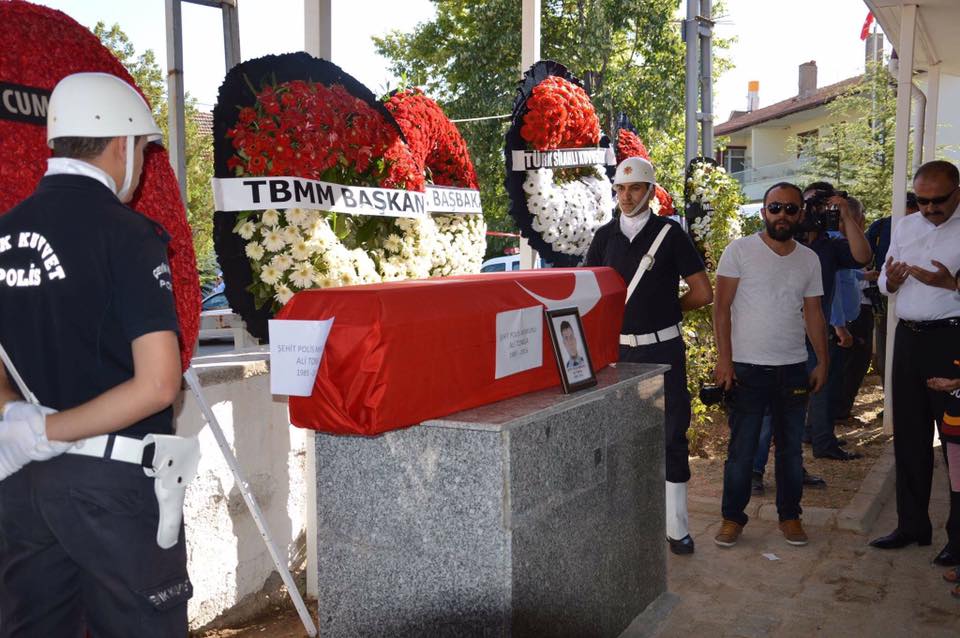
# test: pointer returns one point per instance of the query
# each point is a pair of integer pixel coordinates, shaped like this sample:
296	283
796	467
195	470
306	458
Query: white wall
227	558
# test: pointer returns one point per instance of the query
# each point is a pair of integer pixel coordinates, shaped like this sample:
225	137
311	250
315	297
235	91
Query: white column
318	28
176	131
318	42
930	123
231	33
529	54
908	26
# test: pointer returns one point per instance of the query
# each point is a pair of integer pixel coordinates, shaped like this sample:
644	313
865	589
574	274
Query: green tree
199	146
629	54
856	153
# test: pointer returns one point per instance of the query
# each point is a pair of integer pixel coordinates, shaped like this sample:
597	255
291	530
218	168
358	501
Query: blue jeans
820	413
783	391
763	445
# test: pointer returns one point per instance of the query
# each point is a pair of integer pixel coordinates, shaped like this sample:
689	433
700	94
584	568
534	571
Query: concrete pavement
835	586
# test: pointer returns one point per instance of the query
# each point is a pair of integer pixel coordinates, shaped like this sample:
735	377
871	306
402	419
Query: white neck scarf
72	166
631	226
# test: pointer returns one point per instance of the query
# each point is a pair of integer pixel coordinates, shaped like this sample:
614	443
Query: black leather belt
936	324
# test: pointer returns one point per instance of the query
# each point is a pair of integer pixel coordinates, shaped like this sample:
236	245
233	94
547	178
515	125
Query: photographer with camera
827	209
768	296
856	309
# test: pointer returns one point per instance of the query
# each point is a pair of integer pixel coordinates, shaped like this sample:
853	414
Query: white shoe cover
676	510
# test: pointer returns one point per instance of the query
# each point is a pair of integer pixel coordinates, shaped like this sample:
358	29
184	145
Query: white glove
35	416
16	442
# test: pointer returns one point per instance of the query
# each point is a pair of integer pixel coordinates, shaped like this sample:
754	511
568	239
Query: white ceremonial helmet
634	169
100	105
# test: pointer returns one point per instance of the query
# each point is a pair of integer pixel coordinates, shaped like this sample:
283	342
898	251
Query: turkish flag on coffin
403	352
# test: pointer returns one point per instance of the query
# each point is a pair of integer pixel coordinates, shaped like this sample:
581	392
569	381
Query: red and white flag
865	31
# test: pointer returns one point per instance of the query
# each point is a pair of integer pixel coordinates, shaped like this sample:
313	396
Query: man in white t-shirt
767	299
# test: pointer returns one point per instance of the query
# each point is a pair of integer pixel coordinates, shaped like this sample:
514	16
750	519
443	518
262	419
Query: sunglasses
776	208
926	201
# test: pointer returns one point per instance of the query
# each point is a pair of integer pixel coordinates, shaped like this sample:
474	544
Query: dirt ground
863	432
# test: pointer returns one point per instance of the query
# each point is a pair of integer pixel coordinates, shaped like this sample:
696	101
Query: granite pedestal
541	515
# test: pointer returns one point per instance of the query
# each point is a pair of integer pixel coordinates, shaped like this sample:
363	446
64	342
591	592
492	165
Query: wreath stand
190	376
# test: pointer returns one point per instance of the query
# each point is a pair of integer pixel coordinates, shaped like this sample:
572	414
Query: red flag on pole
865	31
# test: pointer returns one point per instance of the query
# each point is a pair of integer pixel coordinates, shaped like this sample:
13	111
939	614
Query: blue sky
774	38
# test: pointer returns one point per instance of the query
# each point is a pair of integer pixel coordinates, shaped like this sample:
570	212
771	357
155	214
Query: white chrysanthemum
246	229
393	243
270	218
282	262
290	234
270	274
300	250
302	275
273	240
296	216
283	294
254	251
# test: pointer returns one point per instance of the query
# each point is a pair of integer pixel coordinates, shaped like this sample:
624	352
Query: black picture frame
573	376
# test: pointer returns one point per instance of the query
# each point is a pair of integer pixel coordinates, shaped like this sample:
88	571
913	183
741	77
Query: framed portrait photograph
570	349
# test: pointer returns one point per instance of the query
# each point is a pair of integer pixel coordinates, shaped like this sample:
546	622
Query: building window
734	158
807	142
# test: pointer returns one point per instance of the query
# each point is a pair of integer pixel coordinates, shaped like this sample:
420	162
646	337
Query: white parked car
506	263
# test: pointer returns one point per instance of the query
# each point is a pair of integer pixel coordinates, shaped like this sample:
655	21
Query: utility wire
486	117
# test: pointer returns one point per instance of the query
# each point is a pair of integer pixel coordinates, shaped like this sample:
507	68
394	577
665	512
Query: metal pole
908	25
280	563
919	115
930	121
176	127
231	33
705	30
692	95
529	54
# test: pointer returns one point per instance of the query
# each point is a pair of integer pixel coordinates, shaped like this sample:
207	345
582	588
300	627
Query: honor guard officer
653	254
88	321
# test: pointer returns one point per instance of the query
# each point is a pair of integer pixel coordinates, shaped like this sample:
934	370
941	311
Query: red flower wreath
629	144
434	140
320	132
559	115
40	47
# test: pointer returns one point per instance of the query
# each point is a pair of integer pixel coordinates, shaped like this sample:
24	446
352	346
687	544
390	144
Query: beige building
766	144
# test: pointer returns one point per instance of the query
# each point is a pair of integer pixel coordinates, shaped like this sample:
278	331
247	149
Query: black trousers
78	553
880	348
676	401
918	356
857	360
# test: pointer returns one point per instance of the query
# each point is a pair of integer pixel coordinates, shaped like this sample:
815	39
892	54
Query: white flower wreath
298	250
567	214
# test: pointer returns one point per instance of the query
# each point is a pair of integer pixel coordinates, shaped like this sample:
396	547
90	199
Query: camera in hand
820	214
876	298
712	394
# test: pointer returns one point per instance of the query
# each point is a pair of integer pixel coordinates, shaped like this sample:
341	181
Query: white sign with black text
296	349
263	193
562	158
519	340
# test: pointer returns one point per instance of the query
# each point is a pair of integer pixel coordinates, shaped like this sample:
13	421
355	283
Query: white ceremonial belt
125	448
668	333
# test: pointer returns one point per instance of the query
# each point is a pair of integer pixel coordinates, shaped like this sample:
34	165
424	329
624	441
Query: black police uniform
81	277
654	306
